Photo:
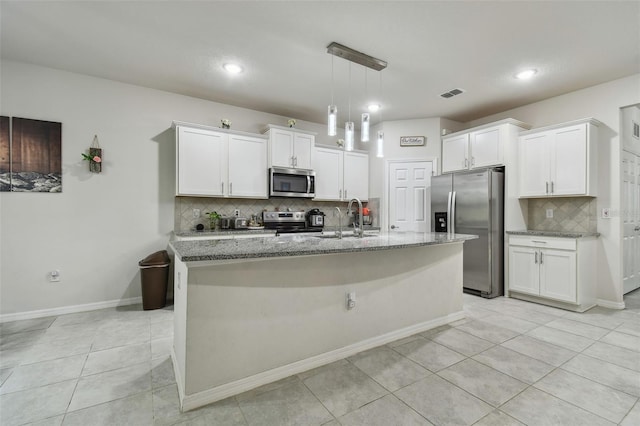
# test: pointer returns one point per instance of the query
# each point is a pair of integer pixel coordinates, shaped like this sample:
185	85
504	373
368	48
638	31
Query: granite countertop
305	245
207	233
558	234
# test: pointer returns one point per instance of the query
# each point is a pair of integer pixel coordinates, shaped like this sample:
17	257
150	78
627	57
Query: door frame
384	219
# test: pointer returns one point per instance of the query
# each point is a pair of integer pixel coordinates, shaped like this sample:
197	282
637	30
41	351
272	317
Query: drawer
543	242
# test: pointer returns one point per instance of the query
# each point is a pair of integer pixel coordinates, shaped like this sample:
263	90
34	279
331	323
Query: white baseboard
190	402
609	304
69	309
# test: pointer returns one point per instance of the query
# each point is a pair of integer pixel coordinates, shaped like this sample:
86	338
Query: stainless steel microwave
298	183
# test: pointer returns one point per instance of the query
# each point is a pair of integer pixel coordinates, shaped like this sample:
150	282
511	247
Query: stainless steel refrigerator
473	203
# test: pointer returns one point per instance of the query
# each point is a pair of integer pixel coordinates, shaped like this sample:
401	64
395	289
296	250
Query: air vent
451	93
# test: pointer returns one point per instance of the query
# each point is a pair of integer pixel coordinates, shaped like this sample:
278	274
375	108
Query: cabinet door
569	161
523	270
302	149
247	167
558	275
534	164
356	176
281	145
455	153
327	163
485	148
201	162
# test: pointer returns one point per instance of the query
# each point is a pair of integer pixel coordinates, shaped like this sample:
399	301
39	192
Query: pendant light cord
332	80
349	91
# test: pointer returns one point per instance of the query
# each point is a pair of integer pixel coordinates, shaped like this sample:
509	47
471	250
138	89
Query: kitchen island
252	311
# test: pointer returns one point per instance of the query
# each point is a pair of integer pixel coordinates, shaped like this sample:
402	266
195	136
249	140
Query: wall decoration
5	155
94	157
412	140
35	155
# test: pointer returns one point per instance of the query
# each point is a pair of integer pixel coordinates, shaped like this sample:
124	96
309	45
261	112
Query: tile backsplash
574	214
184	206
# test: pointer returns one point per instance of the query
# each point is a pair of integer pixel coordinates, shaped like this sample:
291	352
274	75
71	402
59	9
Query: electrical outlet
196	213
236	212
549	213
606	213
54	276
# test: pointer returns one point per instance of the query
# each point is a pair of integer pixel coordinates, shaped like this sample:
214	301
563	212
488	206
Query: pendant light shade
364	127
332	120
380	144
348	136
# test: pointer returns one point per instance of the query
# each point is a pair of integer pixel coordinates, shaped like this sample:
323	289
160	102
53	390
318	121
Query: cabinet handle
222	187
541	258
547	186
292	163
466	163
536	259
340	192
295	161
552	187
345	194
473	161
230	188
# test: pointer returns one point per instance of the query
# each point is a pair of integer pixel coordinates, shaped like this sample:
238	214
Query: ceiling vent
451	93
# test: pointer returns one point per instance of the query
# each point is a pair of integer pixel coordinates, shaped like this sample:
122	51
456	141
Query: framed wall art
413	140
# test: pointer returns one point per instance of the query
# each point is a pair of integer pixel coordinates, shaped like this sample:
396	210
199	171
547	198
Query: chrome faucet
339	231
358	231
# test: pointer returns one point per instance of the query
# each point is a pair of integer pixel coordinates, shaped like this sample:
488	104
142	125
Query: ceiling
431	47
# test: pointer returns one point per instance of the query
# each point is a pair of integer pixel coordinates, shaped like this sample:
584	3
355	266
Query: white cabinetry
290	148
213	162
556	271
559	160
479	147
341	175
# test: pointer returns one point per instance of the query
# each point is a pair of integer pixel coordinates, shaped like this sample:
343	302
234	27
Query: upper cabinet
291	148
214	162
340	175
479	147
559	160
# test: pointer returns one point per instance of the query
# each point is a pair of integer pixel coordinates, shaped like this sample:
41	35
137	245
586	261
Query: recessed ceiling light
526	74
373	107
232	68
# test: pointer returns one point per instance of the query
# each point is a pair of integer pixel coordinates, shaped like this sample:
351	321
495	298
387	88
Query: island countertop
304	245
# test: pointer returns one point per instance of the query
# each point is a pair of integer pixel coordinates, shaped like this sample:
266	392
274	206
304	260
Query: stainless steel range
287	222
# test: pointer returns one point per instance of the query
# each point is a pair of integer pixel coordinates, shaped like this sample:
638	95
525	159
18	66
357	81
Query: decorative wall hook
94	157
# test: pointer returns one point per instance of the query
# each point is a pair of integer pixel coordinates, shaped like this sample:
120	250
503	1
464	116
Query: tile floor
508	363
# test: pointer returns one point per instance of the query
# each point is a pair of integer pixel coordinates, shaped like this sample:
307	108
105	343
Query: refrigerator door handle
449	212
452	220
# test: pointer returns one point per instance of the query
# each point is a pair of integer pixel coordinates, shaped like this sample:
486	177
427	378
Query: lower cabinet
556	271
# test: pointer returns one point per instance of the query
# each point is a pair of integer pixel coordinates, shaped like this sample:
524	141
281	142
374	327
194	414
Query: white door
281	148
569	161
302	148
455	151
202	162
558	275
409	196
534	164
356	172
630	221
524	270
247	167
327	163
485	148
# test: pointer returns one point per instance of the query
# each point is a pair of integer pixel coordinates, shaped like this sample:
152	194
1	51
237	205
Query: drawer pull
538	241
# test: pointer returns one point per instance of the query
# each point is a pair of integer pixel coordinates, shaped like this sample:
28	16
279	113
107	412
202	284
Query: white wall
101	225
602	102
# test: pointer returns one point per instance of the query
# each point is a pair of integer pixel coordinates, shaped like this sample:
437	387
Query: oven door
291	183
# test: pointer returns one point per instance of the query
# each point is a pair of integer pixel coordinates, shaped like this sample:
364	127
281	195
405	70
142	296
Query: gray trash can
154	274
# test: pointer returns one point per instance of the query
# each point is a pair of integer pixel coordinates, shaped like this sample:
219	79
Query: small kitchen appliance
287	222
239	223
315	218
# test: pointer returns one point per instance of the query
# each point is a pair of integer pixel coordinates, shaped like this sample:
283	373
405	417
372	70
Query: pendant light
332	112
364	124
380	135
349	126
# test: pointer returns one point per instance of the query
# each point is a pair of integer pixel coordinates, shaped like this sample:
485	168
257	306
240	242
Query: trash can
154	271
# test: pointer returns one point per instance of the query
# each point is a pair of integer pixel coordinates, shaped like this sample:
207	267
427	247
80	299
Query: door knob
394	227
637	228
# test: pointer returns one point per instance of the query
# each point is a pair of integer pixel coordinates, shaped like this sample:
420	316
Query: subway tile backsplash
184	206
571	214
